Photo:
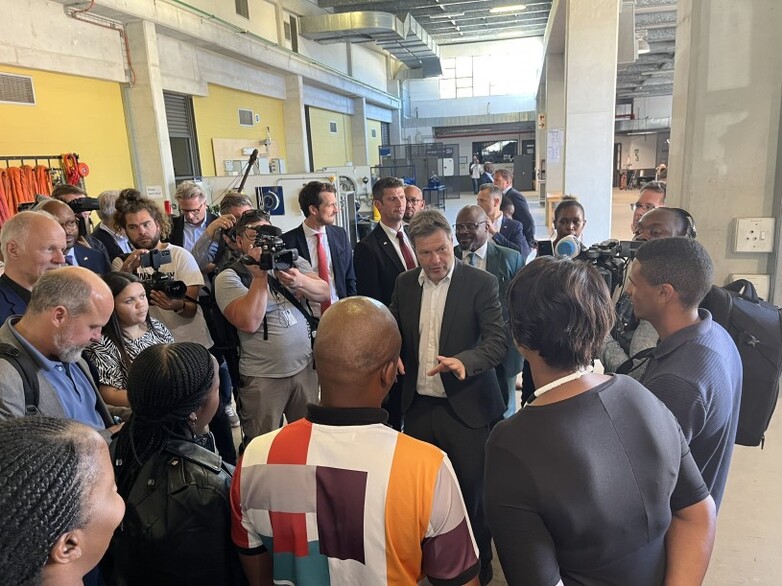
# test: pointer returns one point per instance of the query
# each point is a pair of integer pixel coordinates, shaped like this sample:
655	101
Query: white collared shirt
430	323
480	262
391	233
498	222
71	254
312	245
121	240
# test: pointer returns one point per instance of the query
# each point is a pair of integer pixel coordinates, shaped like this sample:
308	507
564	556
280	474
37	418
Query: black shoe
486	574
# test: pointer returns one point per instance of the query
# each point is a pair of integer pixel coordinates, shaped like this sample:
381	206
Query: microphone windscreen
568	247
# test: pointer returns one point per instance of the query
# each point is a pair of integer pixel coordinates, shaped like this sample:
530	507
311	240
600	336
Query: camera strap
312	321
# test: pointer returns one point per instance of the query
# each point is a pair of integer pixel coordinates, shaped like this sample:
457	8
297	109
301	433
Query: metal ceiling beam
446	5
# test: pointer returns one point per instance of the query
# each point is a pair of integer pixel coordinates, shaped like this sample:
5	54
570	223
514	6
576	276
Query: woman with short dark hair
58	501
177	526
592	482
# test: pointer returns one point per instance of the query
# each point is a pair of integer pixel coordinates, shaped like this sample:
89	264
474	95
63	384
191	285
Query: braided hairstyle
47	474
166	384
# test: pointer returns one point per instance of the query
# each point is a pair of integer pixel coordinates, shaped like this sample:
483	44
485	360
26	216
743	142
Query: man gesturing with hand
452	338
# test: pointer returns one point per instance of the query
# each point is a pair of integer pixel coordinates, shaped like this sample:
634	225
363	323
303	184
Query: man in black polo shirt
695	369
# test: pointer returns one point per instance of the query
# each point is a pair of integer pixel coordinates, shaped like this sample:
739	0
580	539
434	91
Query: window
333	127
373	132
245	117
242	9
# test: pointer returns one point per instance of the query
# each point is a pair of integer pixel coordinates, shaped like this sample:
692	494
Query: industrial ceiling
447	22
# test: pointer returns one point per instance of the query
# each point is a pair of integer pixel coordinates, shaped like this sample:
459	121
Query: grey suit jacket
504	263
12	402
472	331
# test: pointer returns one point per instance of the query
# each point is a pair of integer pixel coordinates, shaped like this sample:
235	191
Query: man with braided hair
57	501
177	530
68	307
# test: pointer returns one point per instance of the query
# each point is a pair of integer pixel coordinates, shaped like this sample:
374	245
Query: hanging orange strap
43	180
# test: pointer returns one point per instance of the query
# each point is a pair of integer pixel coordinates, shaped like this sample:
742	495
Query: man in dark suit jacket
380	257
477	249
32	244
325	246
452	338
504	231
503	178
75	254
193	216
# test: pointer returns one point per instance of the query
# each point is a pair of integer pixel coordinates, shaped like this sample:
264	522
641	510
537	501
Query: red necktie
406	253
323	269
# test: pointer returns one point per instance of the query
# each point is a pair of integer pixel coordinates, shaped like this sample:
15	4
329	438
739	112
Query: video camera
84	204
160	281
274	255
610	258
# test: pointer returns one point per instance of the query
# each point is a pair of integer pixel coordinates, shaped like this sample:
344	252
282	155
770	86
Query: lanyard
559	382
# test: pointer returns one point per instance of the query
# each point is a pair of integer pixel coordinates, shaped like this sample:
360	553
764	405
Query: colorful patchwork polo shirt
340	498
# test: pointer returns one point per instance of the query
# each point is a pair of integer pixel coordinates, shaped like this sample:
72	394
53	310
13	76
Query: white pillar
358	132
153	164
296	139
725	130
590	105
555	123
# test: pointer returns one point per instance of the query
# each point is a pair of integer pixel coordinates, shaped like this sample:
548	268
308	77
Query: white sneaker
233	418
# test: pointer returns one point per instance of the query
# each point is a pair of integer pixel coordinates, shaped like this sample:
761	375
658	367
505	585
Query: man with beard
68	307
76	253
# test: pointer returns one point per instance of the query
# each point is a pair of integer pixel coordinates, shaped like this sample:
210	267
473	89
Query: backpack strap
23	364
629	365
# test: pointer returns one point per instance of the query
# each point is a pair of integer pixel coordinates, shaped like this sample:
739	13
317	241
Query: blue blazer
522	214
341	256
10	302
511	235
92	259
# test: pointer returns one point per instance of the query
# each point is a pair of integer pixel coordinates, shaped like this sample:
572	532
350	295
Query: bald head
357	340
33	243
415	202
76	288
471	229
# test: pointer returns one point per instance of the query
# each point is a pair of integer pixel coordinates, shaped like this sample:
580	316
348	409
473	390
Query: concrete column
395	134
359	132
145	112
555	122
725	129
296	139
591	43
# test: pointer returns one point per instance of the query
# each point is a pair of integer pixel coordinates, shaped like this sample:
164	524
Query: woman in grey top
591	482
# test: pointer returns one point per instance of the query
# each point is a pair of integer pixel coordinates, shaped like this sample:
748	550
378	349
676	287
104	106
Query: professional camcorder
274	255
610	258
158	280
84	204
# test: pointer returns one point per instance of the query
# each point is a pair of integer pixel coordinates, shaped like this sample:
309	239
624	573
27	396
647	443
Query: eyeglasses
70	224
414	201
647	207
469	226
192	212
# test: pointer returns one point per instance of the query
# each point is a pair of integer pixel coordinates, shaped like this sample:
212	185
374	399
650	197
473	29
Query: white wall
645	144
368	66
37	34
188	69
334	55
653	107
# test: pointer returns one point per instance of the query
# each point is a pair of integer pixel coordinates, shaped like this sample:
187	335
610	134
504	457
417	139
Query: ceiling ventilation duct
404	39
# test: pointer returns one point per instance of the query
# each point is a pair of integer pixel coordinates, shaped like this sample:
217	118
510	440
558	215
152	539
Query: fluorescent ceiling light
447	15
513	8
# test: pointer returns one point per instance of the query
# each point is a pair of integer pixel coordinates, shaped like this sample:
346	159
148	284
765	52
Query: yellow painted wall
330	149
373	142
71	114
217	116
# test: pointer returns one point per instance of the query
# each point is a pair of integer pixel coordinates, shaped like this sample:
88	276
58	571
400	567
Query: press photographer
265	297
166	269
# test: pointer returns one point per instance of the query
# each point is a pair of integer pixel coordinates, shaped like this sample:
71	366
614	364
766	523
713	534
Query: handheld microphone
568	247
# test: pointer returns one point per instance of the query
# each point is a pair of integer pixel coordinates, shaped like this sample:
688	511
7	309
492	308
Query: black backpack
23	364
756	328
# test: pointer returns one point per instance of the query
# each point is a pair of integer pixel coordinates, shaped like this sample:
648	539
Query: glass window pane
463	82
464	92
480	88
464	67
447	89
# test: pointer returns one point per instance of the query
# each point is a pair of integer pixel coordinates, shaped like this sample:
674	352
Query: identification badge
288	317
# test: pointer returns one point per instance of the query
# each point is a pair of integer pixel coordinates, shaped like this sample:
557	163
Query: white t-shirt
185	268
